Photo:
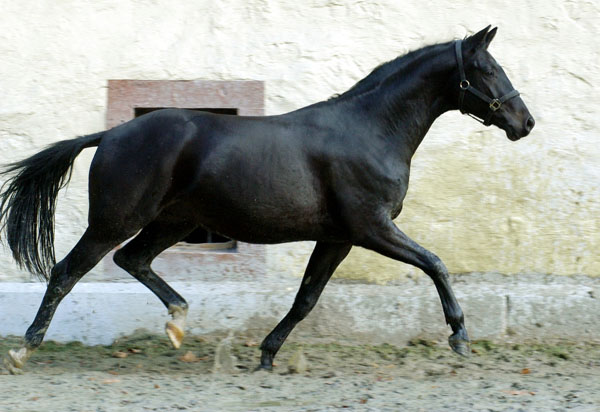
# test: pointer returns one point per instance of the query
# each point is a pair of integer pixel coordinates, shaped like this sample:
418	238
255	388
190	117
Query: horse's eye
489	72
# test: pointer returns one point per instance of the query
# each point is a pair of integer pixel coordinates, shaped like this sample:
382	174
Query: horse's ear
481	40
490	36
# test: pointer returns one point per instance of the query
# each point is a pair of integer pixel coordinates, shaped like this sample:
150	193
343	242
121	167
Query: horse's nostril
530	123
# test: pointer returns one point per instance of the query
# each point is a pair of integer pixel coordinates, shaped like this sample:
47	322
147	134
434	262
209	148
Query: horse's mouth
513	137
515	134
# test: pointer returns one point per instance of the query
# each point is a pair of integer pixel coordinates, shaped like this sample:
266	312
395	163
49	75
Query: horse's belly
266	219
269	232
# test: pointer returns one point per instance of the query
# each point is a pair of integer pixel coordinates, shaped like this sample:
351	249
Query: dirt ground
143	373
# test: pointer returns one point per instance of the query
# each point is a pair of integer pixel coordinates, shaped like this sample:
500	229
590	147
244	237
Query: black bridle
465	85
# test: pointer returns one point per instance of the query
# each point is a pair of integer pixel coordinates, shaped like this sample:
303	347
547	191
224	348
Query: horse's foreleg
65	274
135	257
323	262
393	243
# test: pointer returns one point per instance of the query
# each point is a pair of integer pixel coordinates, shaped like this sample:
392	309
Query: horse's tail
28	201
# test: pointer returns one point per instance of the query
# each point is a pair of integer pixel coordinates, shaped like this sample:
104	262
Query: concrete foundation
496	307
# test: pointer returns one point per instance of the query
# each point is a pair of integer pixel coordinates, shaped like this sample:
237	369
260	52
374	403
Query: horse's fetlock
265	346
272	343
34	339
456	320
178	309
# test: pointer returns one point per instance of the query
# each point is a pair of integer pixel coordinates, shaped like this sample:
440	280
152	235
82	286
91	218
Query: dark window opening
209	240
201	238
143	110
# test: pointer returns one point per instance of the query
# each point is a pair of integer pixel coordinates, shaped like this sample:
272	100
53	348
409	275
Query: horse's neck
406	105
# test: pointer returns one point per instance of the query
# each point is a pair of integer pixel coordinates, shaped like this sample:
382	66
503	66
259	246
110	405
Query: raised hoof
175	334
14	361
175	327
460	343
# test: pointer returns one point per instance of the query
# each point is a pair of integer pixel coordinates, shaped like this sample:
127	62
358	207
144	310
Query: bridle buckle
495	105
464	84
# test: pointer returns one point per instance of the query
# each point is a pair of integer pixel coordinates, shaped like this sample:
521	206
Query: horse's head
484	90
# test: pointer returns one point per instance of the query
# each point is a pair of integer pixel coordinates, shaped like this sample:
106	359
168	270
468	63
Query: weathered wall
479	201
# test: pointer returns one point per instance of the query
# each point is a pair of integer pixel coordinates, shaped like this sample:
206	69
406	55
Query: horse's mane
385	70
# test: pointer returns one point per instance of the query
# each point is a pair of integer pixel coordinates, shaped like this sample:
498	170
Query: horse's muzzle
523	131
516	130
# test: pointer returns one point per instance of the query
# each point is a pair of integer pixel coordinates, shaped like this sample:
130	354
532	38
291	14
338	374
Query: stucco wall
481	202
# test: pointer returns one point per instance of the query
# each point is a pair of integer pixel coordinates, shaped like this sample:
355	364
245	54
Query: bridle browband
465	85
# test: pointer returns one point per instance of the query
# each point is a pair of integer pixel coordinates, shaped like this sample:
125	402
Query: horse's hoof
11	368
264	368
14	361
175	327
175	334
266	361
460	343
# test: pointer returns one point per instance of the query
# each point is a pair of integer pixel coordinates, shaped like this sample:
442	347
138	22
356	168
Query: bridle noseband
465	85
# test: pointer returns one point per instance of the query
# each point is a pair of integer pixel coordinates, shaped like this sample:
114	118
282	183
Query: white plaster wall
479	201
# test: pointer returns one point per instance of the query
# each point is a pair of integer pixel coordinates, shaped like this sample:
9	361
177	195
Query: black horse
335	172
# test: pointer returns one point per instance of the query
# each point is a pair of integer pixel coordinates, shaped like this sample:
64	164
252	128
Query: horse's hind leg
324	260
137	255
65	274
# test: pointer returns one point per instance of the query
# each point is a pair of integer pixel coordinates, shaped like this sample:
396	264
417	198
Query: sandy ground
143	373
